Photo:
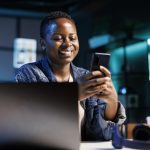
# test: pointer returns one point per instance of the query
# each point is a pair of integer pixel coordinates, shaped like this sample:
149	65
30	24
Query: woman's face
61	41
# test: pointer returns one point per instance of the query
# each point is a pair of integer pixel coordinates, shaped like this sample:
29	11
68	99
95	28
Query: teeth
69	50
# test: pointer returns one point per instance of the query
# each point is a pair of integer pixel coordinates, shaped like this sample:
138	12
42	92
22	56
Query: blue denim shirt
95	126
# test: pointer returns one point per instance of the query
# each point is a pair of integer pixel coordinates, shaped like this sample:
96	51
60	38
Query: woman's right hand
91	84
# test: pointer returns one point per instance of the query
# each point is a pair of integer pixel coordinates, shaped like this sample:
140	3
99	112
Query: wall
129	68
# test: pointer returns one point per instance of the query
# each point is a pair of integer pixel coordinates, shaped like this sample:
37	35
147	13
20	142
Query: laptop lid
44	114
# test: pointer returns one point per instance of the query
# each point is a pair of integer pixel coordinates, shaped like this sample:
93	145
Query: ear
43	44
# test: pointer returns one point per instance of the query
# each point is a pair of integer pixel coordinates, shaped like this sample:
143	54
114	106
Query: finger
97	89
93	91
93	74
96	82
105	71
109	83
102	94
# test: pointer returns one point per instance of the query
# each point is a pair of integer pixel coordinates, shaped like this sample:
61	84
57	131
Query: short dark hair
52	16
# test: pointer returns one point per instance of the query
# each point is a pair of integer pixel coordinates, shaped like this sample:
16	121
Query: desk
98	146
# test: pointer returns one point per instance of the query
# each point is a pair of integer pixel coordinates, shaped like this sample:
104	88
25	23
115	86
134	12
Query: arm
30	73
109	95
94	84
103	110
24	74
20	78
96	127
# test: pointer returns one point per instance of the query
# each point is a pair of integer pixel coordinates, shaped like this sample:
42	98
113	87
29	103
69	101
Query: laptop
39	115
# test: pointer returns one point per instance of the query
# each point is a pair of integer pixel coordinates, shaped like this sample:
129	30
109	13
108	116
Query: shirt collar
47	69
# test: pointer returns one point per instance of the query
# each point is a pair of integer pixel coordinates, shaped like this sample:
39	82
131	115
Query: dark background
123	27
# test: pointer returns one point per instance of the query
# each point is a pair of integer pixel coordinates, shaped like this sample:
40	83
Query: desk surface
98	145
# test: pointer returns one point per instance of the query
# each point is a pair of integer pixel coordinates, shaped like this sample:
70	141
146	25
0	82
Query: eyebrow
63	34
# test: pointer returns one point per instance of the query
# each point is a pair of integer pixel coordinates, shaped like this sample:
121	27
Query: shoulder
78	71
27	67
29	72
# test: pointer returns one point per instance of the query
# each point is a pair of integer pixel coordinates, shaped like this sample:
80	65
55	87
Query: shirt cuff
120	115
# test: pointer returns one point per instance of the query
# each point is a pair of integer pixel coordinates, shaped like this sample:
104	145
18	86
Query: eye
73	38
57	38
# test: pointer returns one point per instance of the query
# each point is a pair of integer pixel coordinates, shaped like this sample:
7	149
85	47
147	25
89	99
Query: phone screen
100	59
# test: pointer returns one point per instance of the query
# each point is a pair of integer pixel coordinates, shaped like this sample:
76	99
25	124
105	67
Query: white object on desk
99	146
148	120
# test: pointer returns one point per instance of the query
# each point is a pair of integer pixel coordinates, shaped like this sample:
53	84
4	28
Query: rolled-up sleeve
120	115
96	127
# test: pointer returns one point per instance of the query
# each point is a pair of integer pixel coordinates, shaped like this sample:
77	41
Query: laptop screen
40	113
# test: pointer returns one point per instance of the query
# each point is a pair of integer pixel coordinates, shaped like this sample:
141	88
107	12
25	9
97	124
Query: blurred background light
24	51
123	90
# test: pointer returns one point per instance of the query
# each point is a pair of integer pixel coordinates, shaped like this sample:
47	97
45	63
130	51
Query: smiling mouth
67	52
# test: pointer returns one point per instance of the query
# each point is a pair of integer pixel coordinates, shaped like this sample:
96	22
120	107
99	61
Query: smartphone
99	59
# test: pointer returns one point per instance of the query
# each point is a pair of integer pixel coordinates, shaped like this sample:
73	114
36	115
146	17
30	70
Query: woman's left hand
108	94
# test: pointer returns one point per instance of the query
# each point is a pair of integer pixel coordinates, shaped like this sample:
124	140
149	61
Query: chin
67	61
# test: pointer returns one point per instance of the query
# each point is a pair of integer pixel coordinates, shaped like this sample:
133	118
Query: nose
67	42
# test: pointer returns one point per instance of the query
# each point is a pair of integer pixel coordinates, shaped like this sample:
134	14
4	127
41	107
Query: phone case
100	59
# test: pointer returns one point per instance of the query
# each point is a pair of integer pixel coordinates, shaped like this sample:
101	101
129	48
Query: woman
100	106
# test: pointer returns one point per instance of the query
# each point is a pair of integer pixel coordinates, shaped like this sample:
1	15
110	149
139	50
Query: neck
62	73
